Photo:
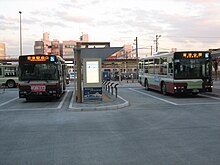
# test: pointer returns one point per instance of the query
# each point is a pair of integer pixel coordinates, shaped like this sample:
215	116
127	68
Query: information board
92	72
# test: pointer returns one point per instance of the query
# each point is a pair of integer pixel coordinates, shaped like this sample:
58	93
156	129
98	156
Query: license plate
38	88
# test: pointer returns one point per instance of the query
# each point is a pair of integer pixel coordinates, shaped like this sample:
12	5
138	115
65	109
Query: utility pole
151	50
20	35
157	37
136	40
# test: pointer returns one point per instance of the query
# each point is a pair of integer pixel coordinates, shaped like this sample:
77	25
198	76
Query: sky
182	24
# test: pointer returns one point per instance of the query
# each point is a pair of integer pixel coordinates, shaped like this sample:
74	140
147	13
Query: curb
101	107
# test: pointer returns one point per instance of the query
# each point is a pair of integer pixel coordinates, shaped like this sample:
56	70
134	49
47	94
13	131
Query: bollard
112	88
116	90
109	86
106	85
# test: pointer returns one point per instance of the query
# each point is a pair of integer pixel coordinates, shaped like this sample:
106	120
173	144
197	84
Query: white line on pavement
62	101
176	103
8	101
170	102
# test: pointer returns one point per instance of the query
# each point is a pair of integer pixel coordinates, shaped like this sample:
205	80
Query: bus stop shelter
96	53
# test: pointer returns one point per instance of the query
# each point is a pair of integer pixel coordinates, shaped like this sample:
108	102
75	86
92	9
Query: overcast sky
182	24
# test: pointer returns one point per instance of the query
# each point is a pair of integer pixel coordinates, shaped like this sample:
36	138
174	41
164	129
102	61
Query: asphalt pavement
110	101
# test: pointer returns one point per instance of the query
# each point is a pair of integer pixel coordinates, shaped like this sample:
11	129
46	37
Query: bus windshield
38	71
192	68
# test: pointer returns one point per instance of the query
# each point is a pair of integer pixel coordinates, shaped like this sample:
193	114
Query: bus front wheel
146	84
10	84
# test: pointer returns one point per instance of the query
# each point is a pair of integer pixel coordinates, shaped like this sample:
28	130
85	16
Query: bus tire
10	84
163	89
146	85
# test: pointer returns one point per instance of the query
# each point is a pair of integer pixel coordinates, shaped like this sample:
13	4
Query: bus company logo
157	78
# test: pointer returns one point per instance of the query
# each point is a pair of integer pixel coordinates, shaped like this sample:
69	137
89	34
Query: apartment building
2	51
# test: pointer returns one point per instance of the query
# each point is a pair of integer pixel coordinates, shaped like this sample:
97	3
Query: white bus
9	75
177	72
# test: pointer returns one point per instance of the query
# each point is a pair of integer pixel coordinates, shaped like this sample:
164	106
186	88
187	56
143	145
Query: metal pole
151	50
78	66
157	37
136	39
20	35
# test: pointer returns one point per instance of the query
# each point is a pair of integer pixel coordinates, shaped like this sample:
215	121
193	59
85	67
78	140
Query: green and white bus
9	75
177	72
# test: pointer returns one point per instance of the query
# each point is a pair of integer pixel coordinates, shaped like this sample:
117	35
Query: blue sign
52	58
206	55
92	94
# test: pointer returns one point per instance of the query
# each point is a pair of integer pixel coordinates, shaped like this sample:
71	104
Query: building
2	51
84	38
65	49
45	46
38	47
68	52
55	47
68	46
125	53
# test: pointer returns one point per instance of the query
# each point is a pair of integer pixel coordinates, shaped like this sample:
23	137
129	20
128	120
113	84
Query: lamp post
157	37
136	43
20	35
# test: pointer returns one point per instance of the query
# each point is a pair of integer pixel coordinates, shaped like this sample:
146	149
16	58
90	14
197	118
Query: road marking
71	101
173	103
170	102
212	97
62	101
33	109
58	107
8	101
210	103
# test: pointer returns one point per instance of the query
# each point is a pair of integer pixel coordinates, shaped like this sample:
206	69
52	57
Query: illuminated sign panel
41	58
192	55
92	71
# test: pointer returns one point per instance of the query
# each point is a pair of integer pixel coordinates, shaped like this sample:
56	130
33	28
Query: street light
136	42
20	35
157	37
